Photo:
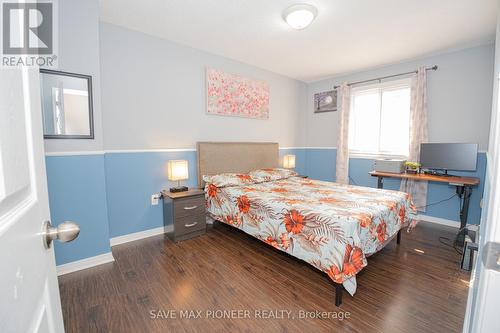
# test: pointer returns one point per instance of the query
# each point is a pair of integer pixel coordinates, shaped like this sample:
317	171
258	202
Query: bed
330	226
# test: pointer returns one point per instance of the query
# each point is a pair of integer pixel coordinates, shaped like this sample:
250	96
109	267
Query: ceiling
347	35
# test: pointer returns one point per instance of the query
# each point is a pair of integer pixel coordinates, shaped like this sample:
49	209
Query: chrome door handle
64	232
190	207
190	224
491	256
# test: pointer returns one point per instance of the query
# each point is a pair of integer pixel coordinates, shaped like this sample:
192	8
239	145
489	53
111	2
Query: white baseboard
108	257
140	235
85	263
446	222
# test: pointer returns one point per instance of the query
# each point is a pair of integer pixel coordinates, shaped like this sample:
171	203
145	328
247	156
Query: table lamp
289	161
177	170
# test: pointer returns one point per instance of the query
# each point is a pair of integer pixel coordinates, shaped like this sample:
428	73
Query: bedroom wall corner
131	179
459	97
461	90
79	53
162	105
75	168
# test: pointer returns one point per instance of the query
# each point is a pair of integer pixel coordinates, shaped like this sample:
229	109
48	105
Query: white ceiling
347	35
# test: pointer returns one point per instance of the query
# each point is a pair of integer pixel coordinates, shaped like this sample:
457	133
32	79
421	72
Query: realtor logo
29	33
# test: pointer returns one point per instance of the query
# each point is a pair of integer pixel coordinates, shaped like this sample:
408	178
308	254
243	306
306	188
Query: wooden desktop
463	187
452	180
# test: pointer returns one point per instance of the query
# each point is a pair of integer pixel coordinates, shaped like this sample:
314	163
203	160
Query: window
380	119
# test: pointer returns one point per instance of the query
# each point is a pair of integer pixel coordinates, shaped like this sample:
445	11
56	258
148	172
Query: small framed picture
325	101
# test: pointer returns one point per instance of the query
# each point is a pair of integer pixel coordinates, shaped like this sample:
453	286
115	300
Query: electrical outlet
154	199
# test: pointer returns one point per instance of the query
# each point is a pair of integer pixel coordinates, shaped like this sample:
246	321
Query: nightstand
186	212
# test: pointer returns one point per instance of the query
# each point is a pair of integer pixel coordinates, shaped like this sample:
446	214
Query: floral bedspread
330	226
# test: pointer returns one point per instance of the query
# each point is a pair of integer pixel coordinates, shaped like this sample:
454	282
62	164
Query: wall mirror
66	105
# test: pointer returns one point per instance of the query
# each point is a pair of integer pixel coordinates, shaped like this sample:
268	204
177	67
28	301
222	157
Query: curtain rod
433	68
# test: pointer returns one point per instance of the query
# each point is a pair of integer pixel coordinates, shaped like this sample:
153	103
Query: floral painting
233	95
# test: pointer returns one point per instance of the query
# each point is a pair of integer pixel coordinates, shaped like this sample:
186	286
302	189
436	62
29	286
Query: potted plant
412	167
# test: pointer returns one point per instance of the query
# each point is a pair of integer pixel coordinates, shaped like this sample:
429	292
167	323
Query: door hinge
491	256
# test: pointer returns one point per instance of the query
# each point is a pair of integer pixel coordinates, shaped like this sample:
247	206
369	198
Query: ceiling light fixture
299	16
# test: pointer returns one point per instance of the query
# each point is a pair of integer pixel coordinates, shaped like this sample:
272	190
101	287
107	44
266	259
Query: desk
463	187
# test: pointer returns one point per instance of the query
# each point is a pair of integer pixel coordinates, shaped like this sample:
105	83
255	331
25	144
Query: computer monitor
449	156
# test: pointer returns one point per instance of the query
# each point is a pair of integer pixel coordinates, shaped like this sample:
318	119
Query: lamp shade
289	161
177	170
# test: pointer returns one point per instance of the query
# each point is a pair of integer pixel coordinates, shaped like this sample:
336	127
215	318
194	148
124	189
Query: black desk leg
380	182
398	239
464	191
464	212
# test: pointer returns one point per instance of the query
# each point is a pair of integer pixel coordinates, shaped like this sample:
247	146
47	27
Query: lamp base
178	189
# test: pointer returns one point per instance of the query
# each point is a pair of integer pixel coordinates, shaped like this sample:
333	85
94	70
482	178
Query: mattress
332	227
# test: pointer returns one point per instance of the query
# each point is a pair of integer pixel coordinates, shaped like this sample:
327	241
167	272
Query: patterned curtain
418	135
342	164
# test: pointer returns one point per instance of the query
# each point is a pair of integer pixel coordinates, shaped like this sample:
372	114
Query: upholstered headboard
220	157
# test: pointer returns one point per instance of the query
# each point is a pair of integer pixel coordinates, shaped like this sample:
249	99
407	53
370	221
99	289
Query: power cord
453	244
443	240
437	202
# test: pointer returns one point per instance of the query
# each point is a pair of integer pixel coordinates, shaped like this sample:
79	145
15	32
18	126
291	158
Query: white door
29	294
484	297
483	306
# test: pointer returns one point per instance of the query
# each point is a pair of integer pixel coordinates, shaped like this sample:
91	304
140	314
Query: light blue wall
320	164
81	187
300	158
131	179
110	195
77	192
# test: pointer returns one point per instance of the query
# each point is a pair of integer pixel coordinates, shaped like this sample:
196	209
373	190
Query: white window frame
405	82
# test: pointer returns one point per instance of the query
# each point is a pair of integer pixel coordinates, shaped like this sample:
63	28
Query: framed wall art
238	96
325	101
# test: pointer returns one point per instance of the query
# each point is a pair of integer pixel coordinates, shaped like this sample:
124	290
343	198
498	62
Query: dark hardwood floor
414	287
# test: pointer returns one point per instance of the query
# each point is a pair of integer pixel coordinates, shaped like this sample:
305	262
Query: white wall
153	96
79	53
154	92
459	97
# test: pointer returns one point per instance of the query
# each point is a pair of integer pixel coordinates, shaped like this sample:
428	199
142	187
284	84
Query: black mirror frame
91	106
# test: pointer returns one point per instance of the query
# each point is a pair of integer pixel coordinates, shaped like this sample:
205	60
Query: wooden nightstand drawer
185	212
189	206
189	224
